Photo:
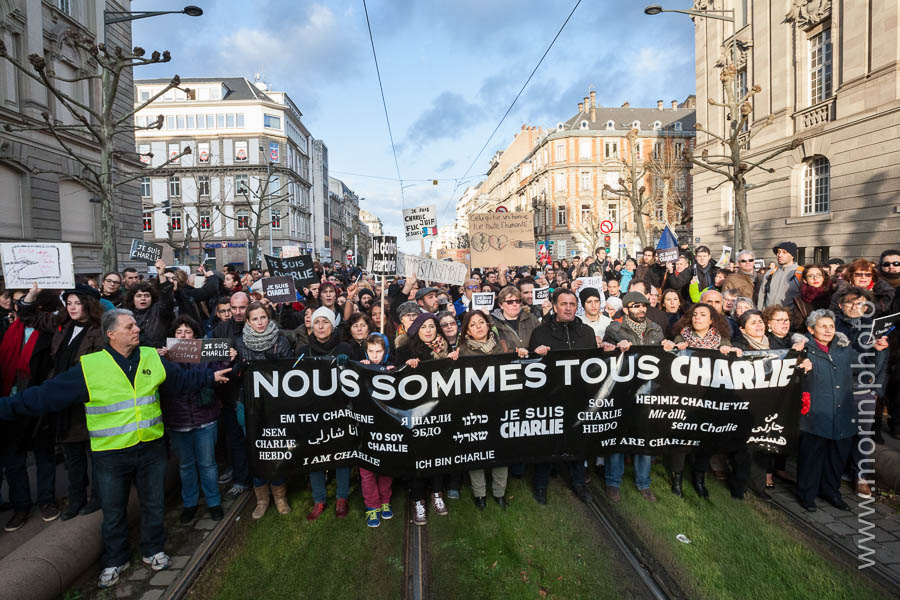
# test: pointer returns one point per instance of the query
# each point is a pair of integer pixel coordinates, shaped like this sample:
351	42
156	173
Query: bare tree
258	202
589	230
632	187
99	125
199	228
668	169
732	165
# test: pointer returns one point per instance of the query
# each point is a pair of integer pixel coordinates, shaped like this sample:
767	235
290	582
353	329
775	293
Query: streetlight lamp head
192	11
653	9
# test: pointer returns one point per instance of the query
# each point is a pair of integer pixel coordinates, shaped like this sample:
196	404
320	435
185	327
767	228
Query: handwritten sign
290	251
299	268
460	255
145	251
384	255
420	222
440	271
198	350
501	238
483	301
47	264
279	289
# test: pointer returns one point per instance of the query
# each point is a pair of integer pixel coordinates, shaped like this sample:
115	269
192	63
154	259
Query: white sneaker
110	576
158	561
438	503
419	518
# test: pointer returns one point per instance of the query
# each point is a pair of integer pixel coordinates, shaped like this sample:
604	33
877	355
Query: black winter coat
571	335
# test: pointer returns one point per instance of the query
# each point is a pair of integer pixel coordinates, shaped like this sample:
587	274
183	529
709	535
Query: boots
700	485
281	503
676	484
262	501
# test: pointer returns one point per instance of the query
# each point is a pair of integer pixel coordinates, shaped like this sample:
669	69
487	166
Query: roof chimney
587	103
593	99
674	104
580	107
593	111
626	104
659	104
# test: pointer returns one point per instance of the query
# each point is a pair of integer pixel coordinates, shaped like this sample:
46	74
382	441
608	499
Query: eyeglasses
636	306
448	324
748	260
886	264
860	274
512	301
118	282
471	287
781	320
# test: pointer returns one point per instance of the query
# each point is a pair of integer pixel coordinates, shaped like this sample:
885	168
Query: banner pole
383	292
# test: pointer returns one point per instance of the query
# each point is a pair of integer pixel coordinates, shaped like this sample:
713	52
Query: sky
450	69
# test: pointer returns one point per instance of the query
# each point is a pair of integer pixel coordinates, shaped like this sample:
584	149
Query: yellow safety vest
121	415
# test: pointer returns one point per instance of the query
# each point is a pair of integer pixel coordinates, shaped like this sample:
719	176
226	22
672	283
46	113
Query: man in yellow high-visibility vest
119	388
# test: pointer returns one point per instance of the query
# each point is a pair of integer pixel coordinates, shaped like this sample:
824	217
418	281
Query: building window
180	121
657	125
657	150
203	185
275	214
229	121
272	122
586	213
174	150
820	67
636	125
175	220
637	151
243	219
585	180
816	186
145	95
611	149
584	149
242	184
679	150
145	187
240	151
677	125
560	182
203	152
205	219
240	120
174	185
821	254
561	215
560	152
148	220
210	121
610	125
65	6
612	212
660	212
612	179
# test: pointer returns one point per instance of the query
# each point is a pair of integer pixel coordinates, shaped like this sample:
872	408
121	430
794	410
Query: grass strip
527	551
289	557
739	549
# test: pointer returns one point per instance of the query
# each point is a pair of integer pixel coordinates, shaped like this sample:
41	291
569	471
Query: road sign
606	226
349	255
501	209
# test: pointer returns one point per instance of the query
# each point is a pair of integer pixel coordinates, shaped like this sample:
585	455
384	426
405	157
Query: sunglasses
896	263
869	275
512	301
750	260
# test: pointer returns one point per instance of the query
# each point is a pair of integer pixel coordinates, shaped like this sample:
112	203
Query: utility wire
384	103
429	179
547	51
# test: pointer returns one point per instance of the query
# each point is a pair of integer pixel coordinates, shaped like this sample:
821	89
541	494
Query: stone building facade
56	207
830	75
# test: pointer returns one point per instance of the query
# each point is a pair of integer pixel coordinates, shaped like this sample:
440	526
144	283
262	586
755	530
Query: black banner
478	412
384	255
198	350
298	268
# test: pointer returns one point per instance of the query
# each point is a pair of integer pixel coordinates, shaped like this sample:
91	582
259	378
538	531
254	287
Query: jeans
17	478
317	480
615	469
77	456
196	450
376	489
236	443
145	464
542	474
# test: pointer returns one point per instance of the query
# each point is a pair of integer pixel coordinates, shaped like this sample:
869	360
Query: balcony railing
816	115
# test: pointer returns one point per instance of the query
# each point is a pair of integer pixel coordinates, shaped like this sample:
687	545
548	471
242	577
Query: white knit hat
324	311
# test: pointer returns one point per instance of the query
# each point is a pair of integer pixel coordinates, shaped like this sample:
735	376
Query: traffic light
167	207
607	240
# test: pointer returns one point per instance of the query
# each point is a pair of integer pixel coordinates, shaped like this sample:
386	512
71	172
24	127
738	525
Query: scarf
810	294
891	278
67	354
711	340
260	342
325	348
754	345
485	347
637	328
14	359
438	345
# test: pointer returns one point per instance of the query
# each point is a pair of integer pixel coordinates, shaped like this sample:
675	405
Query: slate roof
624	117
239	88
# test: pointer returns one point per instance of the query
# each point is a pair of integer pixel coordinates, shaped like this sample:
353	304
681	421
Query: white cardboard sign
420	222
46	263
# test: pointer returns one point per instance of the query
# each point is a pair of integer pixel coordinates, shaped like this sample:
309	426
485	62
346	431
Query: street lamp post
120	16
726	15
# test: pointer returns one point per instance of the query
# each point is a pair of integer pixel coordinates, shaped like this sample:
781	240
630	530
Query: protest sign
198	350
483	301
290	251
384	255
667	247
279	289
501	239
460	255
420	221
538	295
759	263
146	251
882	326
725	257
440	271
667	255
47	264
566	405
299	268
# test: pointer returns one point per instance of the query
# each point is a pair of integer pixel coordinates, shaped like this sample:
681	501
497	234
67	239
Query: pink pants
376	489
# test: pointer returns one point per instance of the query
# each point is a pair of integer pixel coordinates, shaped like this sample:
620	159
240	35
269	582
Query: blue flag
667	239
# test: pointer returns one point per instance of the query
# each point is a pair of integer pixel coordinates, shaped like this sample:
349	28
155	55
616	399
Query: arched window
657	125
816	186
677	125
636	125
584	124
610	125
559	126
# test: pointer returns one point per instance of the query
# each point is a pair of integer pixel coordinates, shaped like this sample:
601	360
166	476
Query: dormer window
657	125
610	125
559	127
636	125
677	125
584	124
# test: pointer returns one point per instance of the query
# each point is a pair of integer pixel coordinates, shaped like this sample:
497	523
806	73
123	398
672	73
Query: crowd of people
85	373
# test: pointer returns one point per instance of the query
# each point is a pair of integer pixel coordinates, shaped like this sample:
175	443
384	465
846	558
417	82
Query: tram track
414	548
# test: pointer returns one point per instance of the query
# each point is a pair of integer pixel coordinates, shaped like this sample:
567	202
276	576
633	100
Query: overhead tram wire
384	103
506	114
428	179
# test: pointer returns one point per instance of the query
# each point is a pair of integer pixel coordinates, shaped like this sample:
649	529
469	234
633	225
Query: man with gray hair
119	387
745	280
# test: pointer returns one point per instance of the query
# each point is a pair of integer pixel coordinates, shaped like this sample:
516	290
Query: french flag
426	231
